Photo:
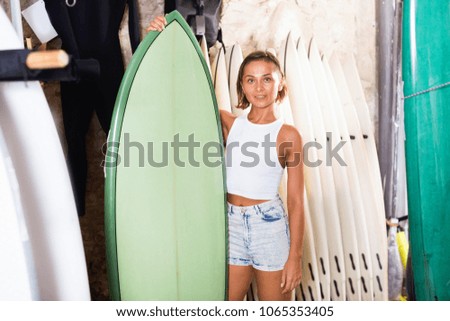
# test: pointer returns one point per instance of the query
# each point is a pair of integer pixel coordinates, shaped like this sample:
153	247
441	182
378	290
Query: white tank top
253	168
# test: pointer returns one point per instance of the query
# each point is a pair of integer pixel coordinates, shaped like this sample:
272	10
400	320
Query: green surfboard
426	73
165	214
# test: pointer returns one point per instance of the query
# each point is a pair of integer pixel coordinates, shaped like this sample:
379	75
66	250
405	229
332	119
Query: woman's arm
292	272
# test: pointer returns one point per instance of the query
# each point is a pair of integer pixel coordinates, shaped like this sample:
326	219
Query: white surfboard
46	193
17	271
16	17
283	111
234	61
378	240
300	105
357	177
220	80
309	288
204	47
334	184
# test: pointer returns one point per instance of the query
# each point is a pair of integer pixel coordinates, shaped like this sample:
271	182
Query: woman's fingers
289	283
285	282
283	279
288	287
157	24
291	276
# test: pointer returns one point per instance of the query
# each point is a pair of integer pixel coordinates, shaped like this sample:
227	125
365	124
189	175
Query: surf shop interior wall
340	26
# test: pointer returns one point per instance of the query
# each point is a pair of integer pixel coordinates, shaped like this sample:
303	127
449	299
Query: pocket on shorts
272	214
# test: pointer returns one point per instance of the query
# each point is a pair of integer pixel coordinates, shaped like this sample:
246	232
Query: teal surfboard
165	214
426	73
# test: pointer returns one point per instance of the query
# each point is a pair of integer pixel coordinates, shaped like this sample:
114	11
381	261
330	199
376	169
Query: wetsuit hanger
71	3
50	65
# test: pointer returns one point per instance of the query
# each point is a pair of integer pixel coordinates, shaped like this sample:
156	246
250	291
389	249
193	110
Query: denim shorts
258	235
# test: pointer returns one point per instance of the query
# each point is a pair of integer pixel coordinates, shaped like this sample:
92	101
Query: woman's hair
266	56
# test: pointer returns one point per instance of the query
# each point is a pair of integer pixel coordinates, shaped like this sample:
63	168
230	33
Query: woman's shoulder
290	131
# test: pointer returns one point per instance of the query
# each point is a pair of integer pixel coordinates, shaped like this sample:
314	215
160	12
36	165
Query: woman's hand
291	275
158	24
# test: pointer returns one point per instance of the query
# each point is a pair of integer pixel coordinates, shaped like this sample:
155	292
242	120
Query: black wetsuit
90	29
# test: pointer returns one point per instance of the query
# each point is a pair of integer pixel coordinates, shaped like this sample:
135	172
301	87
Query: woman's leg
269	286
239	279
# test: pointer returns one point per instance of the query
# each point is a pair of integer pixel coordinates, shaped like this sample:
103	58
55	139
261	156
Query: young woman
263	241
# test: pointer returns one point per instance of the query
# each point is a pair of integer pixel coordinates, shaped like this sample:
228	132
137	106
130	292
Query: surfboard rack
49	65
47	59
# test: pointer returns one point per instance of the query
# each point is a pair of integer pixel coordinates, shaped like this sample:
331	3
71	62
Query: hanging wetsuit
89	29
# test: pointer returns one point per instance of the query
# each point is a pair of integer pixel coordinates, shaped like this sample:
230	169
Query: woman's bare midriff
242	201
